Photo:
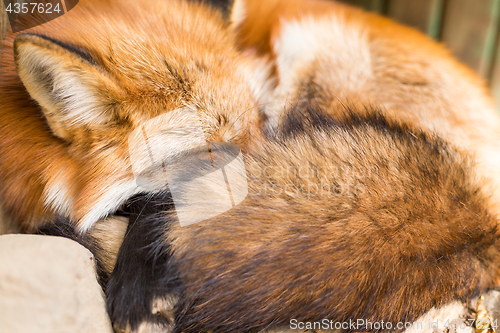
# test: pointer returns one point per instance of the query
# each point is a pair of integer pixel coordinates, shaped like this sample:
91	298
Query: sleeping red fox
371	196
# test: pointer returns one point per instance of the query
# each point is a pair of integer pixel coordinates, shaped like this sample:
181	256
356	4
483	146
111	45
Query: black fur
63	227
142	272
301	120
224	6
77	50
306	120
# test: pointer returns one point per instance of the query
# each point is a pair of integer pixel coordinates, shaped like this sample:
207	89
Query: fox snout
161	153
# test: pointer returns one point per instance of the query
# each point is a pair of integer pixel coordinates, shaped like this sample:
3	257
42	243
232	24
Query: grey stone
48	285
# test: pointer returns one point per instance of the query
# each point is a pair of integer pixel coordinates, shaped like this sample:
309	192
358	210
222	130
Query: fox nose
204	178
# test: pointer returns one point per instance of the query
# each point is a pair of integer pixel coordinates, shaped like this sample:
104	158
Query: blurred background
470	28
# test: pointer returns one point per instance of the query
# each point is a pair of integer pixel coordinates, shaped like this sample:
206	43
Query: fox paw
145	327
143	288
158	317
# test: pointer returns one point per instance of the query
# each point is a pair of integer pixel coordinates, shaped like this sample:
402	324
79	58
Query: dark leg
143	289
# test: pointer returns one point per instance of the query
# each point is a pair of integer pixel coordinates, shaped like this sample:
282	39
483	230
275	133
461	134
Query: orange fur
346	90
189	60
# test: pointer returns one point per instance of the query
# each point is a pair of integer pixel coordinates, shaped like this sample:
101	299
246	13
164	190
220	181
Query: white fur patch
148	327
80	104
164	139
164	306
436	319
238	12
257	71
342	49
57	195
113	196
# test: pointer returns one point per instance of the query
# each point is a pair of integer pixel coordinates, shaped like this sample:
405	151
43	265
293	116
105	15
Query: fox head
75	89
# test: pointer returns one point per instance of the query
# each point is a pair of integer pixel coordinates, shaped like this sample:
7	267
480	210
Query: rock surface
48	284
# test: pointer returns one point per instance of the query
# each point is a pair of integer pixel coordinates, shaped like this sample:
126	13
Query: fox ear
223	6
237	12
65	81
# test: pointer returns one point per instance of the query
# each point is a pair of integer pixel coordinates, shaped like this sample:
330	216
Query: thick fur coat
370	153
